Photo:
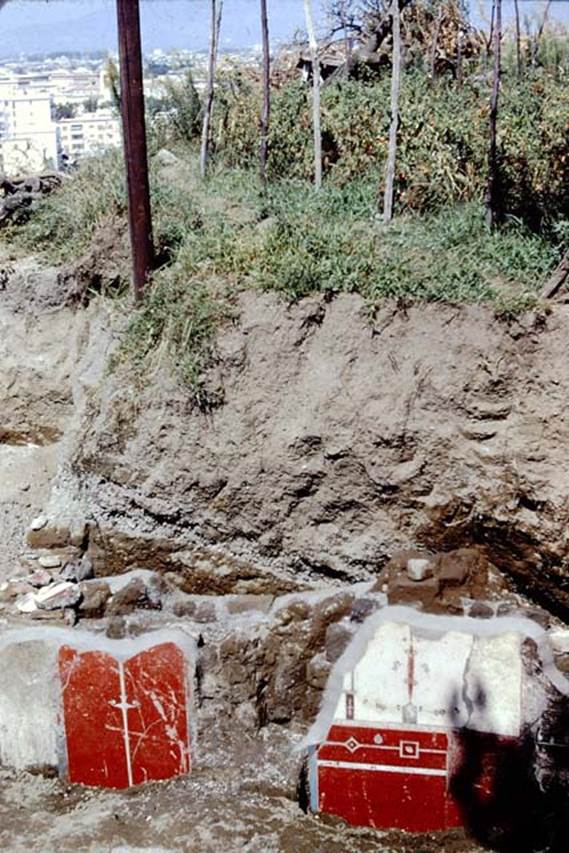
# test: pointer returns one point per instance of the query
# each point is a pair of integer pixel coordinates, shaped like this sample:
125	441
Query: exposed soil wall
339	440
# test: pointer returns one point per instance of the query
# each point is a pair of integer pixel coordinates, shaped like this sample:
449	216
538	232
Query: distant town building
28	136
32	140
88	134
57	110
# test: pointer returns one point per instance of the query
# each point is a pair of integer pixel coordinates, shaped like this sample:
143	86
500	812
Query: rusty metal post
134	136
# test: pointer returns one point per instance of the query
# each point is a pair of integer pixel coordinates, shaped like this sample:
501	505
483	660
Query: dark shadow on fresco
513	793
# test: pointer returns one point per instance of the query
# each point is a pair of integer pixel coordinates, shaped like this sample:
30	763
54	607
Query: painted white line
382	768
384	725
124	706
381	746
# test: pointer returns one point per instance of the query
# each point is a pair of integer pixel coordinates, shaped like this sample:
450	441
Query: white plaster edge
429	625
87	641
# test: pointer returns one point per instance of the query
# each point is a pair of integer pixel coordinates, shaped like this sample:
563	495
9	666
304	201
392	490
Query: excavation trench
266	527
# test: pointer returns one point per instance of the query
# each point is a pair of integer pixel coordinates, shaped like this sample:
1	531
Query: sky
33	26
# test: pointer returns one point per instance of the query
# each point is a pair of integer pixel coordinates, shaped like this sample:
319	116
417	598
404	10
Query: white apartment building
28	137
88	134
31	140
75	85
65	85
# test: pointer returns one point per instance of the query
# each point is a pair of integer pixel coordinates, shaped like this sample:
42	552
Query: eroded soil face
35	407
338	442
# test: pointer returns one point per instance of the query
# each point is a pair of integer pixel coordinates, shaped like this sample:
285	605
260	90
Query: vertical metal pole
266	113
134	136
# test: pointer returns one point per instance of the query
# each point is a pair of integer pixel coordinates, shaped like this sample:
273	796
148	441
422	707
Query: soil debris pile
19	194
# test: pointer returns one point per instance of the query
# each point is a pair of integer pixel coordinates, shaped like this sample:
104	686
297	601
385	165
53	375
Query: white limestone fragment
419	570
50	561
27	603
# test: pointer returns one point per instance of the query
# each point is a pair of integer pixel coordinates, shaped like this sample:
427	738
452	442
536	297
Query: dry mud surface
222	807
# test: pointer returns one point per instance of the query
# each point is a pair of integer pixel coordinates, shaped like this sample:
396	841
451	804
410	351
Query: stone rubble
50	562
19	194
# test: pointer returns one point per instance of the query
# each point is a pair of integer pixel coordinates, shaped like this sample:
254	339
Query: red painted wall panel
403	778
158	725
93	724
394	800
126	722
386	778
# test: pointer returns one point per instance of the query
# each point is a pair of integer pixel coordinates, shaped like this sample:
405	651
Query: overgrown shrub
63	222
184	108
443	140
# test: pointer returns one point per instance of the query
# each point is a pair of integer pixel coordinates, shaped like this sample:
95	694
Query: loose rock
50	562
419	570
58	596
135	595
95	595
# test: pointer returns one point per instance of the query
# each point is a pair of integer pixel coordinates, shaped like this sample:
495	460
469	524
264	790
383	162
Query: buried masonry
411	704
423	713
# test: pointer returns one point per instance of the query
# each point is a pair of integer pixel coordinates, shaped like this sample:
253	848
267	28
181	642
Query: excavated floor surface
228	806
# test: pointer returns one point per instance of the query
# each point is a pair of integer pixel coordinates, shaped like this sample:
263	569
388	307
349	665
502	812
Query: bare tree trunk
266	114
540	31
491	36
395	89
518	38
348	49
216	12
558	279
459	77
316	111
493	200
435	44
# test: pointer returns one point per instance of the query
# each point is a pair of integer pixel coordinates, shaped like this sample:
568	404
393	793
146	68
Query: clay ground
223	807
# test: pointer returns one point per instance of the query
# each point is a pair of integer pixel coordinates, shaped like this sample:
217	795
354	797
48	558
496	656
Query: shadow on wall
432	723
512	793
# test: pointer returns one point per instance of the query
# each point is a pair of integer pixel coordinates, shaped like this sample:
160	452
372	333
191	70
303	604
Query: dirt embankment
42	342
338	442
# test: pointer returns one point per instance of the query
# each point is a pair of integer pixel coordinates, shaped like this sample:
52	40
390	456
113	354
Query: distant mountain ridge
89	25
35	26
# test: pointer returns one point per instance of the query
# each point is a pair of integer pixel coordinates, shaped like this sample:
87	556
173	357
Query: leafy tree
183	103
61	111
90	105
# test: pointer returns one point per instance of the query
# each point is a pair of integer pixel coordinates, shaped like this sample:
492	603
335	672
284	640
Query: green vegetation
219	237
63	223
443	141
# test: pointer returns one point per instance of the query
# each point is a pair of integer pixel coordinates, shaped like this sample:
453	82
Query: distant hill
31	26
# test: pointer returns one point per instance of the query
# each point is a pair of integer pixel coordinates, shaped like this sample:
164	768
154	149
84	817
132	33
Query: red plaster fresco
394	778
126	722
